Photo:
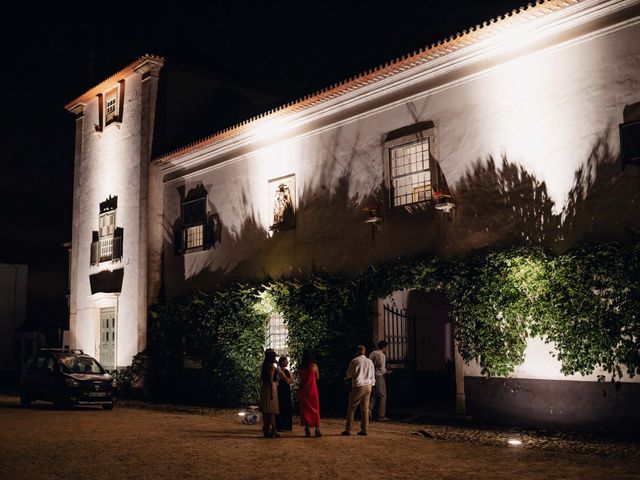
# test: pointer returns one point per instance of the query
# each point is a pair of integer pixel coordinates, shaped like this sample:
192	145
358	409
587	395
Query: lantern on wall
443	202
373	216
441	195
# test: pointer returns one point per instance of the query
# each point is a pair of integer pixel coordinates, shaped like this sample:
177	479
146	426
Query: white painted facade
113	162
545	94
548	96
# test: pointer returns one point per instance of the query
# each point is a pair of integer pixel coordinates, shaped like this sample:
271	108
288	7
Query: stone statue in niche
282	192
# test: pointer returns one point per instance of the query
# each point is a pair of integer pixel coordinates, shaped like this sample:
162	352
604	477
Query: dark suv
66	377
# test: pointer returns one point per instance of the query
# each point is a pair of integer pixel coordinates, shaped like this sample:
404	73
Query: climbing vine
325	316
497	304
224	331
585	303
595	322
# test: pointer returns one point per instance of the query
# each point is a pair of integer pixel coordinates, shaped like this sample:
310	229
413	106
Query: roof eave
143	64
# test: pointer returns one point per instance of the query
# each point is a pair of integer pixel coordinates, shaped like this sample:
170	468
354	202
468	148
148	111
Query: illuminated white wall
544	111
112	163
541	363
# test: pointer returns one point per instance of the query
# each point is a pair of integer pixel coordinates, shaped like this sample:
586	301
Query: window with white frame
193	236
111	106
107	240
194	213
277	335
106	229
409	172
196	229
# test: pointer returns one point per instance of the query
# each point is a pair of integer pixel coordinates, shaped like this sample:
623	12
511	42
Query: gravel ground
540	439
143	440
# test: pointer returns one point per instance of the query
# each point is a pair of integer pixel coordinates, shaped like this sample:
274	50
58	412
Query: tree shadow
499	204
502	204
604	201
329	216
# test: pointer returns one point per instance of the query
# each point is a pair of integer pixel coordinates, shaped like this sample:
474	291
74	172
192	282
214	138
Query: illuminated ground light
514	441
250	416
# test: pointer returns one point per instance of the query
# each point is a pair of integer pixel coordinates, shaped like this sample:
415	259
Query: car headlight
71	382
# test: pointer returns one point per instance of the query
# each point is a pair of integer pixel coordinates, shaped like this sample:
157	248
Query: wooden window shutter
178	241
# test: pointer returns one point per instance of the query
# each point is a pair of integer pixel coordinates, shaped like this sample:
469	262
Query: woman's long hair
306	359
269	360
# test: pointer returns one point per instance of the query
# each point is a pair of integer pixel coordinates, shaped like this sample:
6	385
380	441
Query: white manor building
516	119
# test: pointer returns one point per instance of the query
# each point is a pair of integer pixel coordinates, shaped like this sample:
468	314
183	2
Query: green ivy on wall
496	299
593	297
224	331
325	316
585	302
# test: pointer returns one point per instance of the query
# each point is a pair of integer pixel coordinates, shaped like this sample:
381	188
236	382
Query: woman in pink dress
308	395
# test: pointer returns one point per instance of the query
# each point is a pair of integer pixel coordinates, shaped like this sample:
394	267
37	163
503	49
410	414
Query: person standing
361	373
308	395
379	393
269	407
284	421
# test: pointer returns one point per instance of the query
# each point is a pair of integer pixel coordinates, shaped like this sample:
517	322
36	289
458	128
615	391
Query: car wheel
25	401
107	406
62	404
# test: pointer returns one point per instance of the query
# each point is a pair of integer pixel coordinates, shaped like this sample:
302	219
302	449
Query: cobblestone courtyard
138	440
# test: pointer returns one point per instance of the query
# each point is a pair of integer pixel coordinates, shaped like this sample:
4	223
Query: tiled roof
105	84
455	42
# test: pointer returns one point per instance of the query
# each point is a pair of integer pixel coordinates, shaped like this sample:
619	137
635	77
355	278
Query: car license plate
97	394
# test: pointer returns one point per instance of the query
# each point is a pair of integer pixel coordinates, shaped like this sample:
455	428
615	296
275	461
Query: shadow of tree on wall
502	204
499	204
604	202
203	270
329	216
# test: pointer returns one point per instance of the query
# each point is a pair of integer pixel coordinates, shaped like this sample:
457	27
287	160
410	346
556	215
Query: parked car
66	377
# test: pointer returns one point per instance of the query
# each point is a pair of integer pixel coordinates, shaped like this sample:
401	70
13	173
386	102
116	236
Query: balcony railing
106	250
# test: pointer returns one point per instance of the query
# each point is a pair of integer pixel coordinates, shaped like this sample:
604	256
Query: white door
108	338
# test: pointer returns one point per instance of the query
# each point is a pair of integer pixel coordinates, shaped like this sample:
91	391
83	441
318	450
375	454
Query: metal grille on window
193	236
277	335
106	249
410	175
106	230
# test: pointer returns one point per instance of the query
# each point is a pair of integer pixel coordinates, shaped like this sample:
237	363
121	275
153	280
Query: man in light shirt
361	373
379	394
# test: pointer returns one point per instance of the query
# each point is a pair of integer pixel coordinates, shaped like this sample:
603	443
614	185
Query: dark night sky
283	49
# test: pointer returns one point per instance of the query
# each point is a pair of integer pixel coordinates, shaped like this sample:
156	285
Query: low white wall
540	363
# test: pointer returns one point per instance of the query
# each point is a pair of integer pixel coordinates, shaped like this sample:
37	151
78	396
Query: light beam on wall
539	117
